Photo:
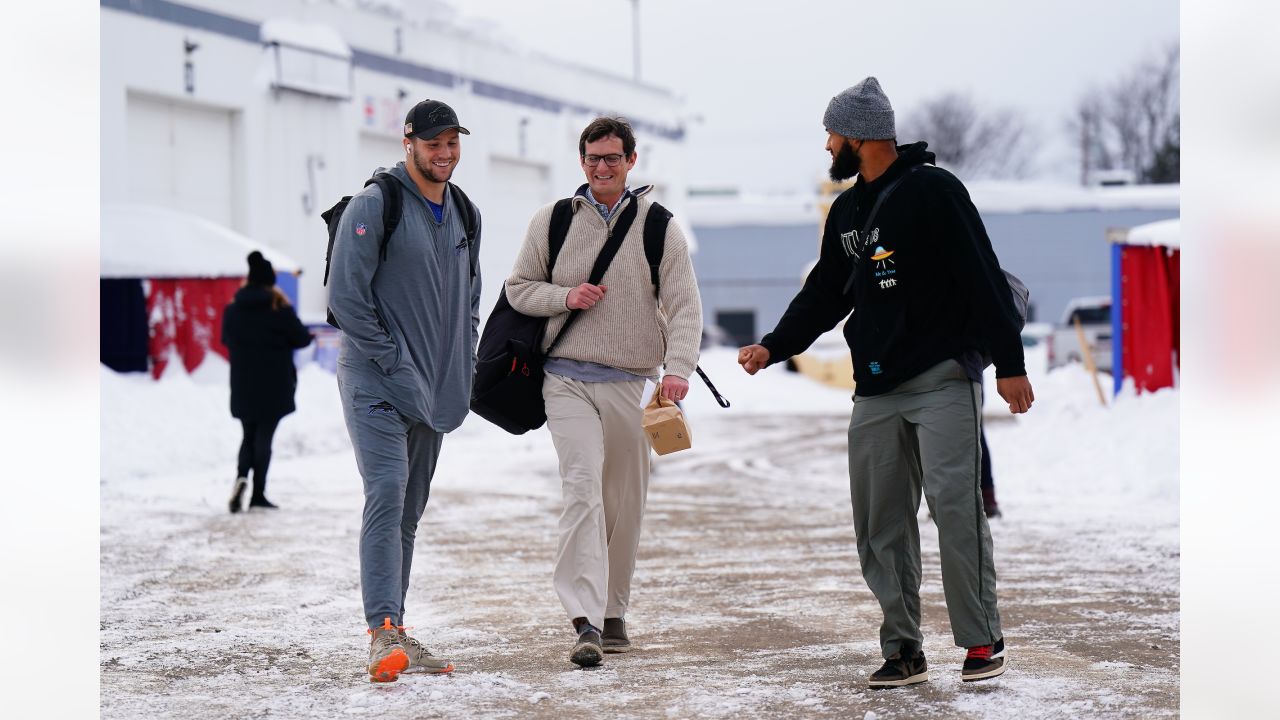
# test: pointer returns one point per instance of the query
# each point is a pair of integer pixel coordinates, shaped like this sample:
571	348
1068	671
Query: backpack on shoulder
392	210
509	374
507	390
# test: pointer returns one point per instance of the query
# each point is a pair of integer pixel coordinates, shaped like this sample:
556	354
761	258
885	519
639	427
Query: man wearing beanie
409	309
905	251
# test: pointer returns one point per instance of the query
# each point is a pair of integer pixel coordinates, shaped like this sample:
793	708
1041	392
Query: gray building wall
755	268
1059	255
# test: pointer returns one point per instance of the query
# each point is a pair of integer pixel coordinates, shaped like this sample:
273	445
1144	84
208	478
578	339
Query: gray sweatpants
923	434
397	458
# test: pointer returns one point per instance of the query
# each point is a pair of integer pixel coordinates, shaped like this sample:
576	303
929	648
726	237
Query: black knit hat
260	270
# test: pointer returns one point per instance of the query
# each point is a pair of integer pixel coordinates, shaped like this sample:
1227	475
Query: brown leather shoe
615	636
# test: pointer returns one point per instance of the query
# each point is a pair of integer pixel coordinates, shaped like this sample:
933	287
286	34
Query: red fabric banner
1150	315
185	318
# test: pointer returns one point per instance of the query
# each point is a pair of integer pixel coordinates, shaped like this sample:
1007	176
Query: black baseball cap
429	118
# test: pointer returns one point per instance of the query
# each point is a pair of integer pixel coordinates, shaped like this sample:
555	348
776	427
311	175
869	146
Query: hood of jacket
253	297
908	156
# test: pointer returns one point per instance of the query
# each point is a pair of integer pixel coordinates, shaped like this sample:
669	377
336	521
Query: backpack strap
557	231
470	226
616	235
655	241
392	208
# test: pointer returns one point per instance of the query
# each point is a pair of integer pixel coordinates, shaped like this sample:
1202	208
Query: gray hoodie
410	323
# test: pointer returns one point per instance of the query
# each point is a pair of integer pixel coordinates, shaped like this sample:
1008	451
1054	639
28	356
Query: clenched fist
584	296
753	357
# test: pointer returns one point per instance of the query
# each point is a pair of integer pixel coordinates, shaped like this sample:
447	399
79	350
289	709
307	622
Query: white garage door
181	157
514	192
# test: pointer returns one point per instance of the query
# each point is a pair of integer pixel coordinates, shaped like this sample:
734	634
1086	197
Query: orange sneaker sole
388	669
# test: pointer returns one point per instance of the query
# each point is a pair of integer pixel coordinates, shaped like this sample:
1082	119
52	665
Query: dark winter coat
262	341
925	281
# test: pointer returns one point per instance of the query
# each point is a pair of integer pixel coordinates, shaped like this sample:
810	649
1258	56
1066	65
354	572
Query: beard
431	172
845	164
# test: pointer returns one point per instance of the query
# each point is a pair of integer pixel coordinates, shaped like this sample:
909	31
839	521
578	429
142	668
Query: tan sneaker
387	656
420	658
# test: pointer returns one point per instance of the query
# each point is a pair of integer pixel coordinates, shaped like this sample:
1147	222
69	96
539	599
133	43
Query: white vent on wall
308	58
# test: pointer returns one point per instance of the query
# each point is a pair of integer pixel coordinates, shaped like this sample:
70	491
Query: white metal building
259	114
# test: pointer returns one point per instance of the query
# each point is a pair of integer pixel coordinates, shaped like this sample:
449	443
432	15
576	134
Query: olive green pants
923	435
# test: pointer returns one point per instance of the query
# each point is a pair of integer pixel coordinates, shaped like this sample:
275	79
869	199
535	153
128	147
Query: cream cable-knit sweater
626	329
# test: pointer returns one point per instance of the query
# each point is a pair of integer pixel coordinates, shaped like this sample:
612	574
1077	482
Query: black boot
237	494
262	502
989	505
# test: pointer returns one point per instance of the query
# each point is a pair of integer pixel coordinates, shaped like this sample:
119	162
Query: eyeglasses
610	160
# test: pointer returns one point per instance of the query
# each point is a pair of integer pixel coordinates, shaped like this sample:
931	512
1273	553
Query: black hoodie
926	284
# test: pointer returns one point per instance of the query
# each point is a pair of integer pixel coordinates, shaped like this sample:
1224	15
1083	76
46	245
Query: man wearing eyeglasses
627	332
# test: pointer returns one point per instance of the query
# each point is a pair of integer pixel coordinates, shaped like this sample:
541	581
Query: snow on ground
748	600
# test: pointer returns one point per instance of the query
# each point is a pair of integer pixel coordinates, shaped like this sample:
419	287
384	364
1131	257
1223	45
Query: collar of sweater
582	197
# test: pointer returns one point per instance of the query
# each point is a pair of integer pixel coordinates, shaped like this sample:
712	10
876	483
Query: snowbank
181	422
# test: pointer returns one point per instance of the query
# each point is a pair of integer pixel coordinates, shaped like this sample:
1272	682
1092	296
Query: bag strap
616	235
875	208
719	398
469	225
392	205
655	241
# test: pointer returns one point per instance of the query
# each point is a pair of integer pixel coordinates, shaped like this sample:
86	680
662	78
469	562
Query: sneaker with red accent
387	656
984	661
420	658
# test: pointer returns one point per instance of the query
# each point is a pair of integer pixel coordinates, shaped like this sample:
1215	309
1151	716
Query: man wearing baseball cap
905	251
409	310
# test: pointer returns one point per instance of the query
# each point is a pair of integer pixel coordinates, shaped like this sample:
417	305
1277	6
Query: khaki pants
604	467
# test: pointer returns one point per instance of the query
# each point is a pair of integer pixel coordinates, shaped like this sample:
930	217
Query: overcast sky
759	74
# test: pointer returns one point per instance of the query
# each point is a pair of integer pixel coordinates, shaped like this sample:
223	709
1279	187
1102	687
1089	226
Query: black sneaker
898	671
614	637
984	661
263	504
237	494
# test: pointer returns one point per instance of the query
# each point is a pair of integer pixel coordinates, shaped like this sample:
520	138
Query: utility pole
635	39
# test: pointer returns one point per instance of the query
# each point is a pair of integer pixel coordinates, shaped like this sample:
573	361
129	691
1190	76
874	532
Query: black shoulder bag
508	383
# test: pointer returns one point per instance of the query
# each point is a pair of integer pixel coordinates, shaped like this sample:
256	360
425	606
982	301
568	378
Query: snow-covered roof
1164	233
144	241
993	196
305	36
754	210
990	197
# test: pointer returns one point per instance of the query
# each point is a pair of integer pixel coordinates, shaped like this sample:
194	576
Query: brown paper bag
664	425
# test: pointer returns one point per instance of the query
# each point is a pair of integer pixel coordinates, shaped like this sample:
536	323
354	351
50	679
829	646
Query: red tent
166	277
1145	309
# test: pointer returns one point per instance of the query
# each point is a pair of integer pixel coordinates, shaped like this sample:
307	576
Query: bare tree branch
1134	124
996	143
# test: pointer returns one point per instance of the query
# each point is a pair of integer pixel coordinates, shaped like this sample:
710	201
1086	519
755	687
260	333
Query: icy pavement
748	600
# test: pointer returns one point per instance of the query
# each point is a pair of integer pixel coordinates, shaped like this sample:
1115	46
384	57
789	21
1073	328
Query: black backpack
392	209
507	390
508	383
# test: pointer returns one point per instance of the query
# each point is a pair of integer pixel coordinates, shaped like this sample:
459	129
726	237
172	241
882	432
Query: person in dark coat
261	330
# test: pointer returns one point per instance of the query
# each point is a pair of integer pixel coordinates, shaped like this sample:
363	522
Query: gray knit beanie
862	112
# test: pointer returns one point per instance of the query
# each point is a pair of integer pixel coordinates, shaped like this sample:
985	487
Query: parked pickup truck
1095	320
